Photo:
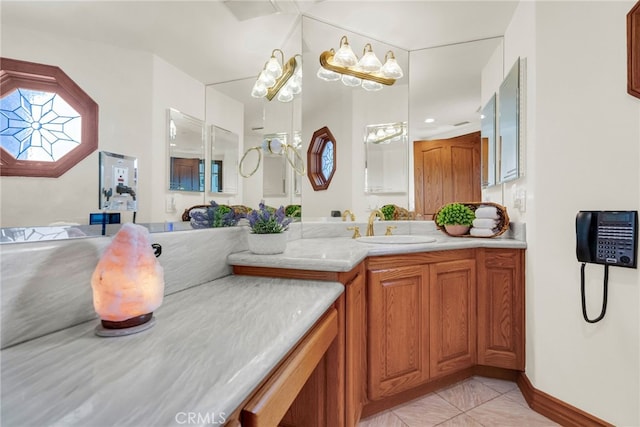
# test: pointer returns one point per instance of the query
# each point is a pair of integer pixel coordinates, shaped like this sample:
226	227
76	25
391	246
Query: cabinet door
356	347
398	330
501	308
452	326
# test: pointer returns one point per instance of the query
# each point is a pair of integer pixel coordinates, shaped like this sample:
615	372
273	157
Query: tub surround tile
210	347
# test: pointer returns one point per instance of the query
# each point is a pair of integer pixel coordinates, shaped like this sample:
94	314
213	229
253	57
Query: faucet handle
389	228
356	232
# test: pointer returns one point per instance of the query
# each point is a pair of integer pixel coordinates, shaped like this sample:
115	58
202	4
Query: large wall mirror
223	163
186	152
488	143
386	169
508	124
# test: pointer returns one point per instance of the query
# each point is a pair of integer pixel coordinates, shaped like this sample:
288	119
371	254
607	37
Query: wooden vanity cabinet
421	319
398	329
452	316
501	312
347	387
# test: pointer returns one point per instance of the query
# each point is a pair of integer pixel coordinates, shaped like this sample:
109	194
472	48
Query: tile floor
475	402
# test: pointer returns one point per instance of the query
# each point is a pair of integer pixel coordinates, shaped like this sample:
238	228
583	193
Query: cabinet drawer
272	401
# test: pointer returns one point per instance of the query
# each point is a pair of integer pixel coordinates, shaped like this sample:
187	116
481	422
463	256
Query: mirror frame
508	99
633	51
320	139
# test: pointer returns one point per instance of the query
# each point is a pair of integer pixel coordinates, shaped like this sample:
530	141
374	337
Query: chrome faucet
372	217
351	215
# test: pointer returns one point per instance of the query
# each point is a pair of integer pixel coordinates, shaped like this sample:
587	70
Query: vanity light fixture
367	71
279	78
277	147
385	133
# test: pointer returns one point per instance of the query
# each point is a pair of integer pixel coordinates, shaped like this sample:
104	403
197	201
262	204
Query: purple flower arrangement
265	220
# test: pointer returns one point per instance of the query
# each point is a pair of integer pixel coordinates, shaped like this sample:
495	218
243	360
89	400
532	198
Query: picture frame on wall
633	51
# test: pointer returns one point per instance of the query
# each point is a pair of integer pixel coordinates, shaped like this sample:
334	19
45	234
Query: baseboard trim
555	409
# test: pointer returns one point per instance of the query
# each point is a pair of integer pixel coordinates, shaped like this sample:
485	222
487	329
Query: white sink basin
397	239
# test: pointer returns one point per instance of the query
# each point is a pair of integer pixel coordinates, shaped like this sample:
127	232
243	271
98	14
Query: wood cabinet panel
452	325
501	308
398	330
356	348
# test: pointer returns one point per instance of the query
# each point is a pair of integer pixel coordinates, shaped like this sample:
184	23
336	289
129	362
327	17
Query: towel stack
486	222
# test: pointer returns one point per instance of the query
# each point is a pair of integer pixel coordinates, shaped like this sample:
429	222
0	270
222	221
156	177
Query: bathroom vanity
417	317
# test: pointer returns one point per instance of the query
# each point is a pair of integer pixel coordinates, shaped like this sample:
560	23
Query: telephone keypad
614	243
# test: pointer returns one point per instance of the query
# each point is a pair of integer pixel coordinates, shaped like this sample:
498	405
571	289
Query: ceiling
217	41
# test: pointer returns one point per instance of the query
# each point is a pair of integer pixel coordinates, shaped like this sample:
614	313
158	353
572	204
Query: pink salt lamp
128	282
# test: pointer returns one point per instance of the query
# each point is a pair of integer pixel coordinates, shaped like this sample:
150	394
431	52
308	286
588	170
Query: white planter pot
267	244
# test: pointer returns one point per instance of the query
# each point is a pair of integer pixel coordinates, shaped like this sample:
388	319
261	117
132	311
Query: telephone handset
609	238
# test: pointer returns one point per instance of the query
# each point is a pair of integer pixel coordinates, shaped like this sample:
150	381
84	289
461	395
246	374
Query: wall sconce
367	71
128	283
283	79
278	147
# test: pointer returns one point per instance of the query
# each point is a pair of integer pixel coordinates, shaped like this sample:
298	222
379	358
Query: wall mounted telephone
609	238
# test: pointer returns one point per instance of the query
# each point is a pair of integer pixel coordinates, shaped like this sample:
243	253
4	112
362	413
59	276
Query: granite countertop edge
341	254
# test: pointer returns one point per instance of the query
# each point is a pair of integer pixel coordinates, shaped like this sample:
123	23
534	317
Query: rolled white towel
481	232
489	212
485	223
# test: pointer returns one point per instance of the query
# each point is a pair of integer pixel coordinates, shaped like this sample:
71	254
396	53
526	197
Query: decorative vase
456	229
267	244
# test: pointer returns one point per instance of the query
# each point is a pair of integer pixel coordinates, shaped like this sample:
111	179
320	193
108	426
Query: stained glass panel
38	126
327	160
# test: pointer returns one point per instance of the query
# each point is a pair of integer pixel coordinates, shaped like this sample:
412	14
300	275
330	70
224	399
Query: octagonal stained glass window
38	126
48	124
327	160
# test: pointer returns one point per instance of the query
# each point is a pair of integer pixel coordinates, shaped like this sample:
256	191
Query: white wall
119	81
582	152
172	88
133	90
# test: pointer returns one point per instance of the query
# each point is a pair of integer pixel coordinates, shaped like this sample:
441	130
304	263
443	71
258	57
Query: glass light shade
391	69
294	85
266	79
259	90
273	68
369	62
371	86
351	81
285	95
345	56
272	146
328	75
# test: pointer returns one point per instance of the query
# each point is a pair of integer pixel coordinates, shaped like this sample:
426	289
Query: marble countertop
210	348
341	254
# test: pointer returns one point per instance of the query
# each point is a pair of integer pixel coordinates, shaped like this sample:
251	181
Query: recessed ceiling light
429	120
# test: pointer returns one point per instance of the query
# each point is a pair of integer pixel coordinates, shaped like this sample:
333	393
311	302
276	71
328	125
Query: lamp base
108	328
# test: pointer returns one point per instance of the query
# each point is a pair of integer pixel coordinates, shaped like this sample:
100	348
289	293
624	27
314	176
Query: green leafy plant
389	212
455	214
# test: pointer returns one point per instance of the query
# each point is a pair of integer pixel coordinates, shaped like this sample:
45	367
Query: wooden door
185	174
501	308
452	307
398	336
445	171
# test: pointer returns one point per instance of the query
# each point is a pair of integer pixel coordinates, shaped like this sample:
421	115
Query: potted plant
268	228
456	218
